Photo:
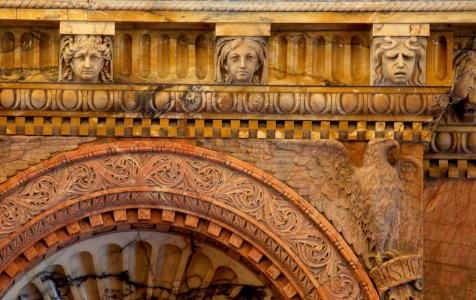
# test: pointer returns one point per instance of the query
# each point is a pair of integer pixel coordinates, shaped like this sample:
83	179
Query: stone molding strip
247	6
449	168
214	128
454	140
146	218
418	105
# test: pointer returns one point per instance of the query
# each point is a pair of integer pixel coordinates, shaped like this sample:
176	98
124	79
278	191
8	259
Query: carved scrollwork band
238	200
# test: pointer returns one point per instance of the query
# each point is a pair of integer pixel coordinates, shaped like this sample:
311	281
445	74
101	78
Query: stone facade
237	150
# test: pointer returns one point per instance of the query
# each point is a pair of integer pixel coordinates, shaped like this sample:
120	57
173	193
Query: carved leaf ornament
252	203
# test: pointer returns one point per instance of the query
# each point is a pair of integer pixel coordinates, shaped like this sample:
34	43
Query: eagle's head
381	151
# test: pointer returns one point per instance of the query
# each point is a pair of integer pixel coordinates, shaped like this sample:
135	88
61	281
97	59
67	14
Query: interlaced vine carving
254	209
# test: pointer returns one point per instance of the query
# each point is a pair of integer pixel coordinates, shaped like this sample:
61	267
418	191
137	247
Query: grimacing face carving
399	61
240	60
464	73
86	58
398	64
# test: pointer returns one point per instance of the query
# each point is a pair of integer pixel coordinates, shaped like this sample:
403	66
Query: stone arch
158	181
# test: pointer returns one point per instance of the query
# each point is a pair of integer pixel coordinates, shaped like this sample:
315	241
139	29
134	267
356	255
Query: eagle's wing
324	174
410	171
320	171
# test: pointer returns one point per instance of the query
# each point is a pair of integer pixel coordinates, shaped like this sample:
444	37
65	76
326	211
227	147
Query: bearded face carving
398	61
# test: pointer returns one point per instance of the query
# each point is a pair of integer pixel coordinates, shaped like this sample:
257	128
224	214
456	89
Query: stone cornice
250	6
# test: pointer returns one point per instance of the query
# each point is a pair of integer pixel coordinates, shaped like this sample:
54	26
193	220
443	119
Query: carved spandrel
241	60
18	153
376	206
85	59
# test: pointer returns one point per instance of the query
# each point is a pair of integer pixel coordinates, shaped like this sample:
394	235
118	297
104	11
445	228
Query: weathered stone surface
19	153
450	239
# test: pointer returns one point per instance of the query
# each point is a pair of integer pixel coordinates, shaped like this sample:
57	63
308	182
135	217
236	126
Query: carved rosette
264	213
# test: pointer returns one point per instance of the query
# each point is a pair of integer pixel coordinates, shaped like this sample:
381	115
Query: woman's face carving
241	64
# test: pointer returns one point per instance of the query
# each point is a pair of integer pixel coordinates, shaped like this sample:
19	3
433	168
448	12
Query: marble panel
450	239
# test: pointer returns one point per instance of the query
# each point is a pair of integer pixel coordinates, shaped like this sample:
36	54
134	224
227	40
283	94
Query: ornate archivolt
170	180
143	264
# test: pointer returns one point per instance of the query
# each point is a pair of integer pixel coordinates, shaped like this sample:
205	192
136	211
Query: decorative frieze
246	6
330	58
146	101
187	56
439	59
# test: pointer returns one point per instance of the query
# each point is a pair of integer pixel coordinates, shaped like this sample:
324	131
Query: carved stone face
464	84
464	72
241	64
87	64
398	64
398	61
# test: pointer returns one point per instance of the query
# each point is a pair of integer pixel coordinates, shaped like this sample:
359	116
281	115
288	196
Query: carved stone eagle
363	203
